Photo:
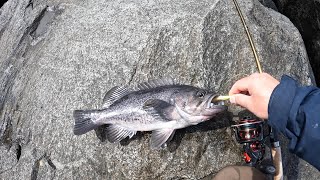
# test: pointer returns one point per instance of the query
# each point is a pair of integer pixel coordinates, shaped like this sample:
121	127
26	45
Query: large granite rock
58	56
305	15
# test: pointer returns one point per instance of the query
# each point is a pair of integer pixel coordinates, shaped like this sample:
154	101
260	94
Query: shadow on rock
222	120
101	133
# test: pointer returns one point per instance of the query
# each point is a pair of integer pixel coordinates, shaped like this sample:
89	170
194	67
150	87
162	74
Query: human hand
253	92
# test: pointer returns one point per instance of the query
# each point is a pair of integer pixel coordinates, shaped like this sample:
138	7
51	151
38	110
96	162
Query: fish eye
201	94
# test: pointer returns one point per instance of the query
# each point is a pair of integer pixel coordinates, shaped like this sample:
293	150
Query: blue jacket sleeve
295	111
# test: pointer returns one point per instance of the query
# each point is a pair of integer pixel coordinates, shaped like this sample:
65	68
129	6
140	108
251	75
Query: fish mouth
216	104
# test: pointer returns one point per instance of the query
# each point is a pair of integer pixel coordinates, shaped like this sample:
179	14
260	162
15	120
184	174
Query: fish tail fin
83	121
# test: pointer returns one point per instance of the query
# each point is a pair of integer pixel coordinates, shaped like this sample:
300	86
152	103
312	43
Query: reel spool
248	130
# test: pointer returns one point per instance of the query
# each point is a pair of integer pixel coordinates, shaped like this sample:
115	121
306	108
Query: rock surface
58	56
305	15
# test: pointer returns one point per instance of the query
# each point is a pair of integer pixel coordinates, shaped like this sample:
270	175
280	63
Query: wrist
280	103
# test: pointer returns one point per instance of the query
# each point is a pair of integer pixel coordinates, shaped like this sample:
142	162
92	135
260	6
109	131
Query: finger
240	86
242	100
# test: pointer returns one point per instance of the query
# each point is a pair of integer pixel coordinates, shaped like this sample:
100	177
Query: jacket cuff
280	103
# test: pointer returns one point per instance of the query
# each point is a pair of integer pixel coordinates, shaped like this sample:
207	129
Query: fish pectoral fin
117	133
114	94
160	109
160	136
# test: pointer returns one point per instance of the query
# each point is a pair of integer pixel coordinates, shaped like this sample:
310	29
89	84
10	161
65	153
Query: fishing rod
254	125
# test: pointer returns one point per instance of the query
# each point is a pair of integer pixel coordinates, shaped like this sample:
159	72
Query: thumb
241	99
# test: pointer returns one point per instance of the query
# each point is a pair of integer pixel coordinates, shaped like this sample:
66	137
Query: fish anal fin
117	133
115	94
160	137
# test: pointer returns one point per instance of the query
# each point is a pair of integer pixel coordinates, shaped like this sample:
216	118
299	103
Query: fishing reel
251	133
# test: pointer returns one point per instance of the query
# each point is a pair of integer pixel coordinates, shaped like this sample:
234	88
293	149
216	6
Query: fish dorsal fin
114	94
156	83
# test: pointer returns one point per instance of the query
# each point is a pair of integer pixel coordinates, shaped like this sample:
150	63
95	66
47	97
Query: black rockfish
160	106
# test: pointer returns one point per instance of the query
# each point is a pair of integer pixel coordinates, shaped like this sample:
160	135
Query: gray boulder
58	56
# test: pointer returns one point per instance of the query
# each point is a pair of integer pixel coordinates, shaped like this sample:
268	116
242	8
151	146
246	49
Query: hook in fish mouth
216	104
